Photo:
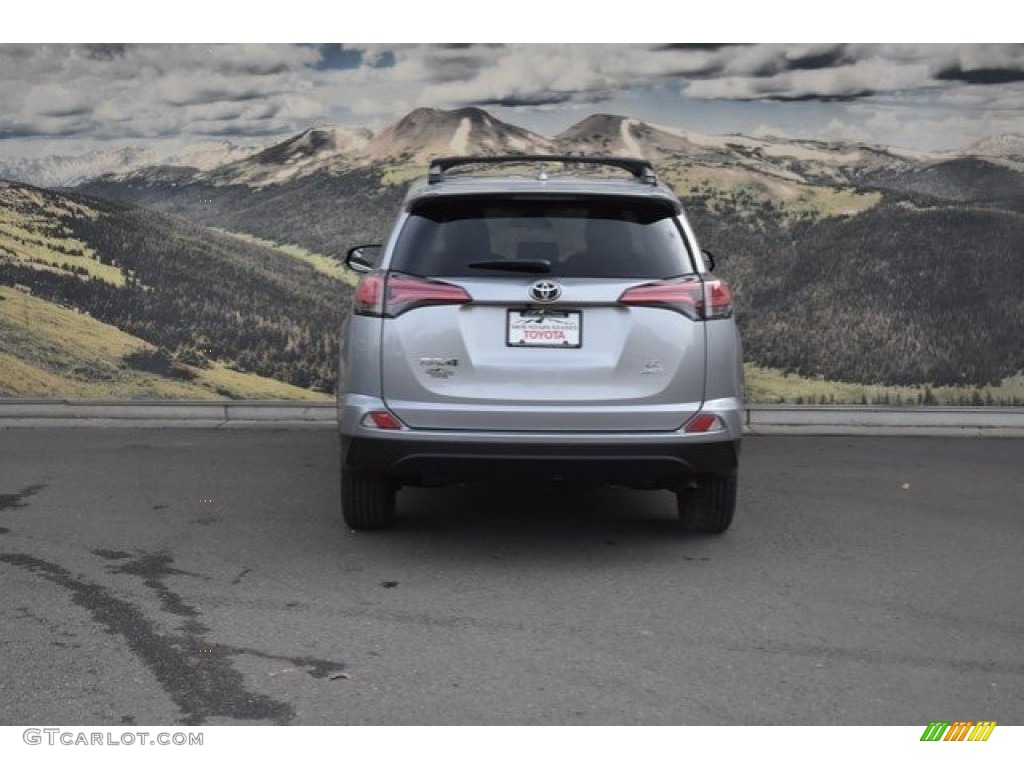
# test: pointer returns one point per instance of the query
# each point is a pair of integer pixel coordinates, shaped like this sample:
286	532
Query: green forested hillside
915	281
324	213
51	351
199	296
902	293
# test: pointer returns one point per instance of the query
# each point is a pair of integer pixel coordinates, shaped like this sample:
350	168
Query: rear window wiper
534	266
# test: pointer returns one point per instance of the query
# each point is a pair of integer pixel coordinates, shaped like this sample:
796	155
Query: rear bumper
640	459
656	464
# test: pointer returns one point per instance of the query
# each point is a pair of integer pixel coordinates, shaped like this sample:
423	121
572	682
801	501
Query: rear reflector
381	420
703	422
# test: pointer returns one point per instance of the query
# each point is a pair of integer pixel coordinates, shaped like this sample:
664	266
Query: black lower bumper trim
414	462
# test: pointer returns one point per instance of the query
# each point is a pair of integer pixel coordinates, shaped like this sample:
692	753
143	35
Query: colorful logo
958	730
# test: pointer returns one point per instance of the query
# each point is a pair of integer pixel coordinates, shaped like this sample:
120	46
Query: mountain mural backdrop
861	273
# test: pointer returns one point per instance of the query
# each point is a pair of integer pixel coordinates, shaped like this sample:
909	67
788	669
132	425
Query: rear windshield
612	237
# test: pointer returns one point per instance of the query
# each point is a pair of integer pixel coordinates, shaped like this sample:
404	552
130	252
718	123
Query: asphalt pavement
180	576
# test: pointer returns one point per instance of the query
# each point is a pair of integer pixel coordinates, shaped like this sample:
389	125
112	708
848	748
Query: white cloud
260	90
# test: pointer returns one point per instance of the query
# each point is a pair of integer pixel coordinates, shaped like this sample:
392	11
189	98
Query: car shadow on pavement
535	510
545	528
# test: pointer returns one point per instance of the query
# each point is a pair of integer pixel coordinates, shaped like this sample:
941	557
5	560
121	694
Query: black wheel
708	507
367	501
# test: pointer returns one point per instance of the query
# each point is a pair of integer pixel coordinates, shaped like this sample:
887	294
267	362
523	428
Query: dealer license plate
545	328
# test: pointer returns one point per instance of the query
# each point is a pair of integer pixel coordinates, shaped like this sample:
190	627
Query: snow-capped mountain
795	160
330	148
423	134
71	170
1006	149
419	136
627	136
427	133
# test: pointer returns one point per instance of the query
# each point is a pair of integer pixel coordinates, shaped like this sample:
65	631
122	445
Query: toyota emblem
545	291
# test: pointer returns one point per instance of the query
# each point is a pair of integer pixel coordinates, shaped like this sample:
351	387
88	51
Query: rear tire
709	507
367	500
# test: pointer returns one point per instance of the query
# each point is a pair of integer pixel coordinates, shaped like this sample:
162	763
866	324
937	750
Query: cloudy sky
65	98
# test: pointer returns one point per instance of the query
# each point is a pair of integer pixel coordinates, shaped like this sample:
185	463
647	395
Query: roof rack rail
641	169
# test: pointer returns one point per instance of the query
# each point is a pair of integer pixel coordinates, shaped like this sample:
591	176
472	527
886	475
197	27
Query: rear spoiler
642	170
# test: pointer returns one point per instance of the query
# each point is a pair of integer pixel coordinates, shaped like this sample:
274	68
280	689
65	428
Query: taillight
707	300
369	295
719	299
380	294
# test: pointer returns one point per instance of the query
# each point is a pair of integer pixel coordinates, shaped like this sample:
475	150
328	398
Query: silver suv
552	326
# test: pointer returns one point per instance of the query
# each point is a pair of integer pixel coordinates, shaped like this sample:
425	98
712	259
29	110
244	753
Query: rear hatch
542	314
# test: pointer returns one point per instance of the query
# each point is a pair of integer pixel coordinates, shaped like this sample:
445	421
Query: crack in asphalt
199	676
153	568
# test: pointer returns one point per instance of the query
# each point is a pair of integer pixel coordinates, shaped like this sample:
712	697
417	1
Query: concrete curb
169	414
760	419
875	420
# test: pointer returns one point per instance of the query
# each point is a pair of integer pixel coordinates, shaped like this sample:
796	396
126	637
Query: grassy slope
30	234
769	385
322	264
49	351
273	288
817	200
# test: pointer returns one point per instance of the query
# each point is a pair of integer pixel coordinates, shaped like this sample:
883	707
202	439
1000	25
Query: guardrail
760	419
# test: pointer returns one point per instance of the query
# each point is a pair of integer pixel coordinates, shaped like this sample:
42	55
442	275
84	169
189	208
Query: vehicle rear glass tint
592	237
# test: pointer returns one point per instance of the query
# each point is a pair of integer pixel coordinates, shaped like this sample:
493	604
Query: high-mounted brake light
381	294
707	300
